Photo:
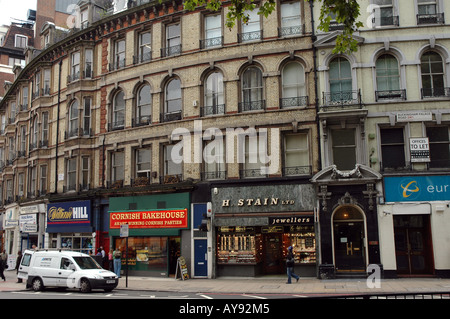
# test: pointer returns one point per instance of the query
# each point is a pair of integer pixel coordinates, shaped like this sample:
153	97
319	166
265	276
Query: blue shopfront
413	219
69	226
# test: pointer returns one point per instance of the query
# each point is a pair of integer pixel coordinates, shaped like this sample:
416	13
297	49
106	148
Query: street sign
124	230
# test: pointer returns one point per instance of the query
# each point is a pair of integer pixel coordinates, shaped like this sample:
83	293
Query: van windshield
86	263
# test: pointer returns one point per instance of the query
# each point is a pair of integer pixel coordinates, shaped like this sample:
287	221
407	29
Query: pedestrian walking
290	265
18	260
3	259
117	254
110	260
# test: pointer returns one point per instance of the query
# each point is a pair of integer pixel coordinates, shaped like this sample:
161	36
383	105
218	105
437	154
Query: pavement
269	285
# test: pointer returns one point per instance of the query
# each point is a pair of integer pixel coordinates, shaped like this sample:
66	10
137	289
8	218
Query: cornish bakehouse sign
278	198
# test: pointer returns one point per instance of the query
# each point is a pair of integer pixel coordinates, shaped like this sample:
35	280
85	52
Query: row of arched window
293	94
388	75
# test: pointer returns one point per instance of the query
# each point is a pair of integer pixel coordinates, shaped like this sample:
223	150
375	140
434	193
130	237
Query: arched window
143	105
213	100
73	119
388	78
293	82
340	81
432	70
118	111
252	89
172	107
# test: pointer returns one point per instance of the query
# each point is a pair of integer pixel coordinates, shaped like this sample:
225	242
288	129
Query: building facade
226	146
383	131
137	119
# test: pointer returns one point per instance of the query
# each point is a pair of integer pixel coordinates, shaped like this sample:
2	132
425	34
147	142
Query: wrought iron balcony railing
434	18
211	42
291	31
342	99
435	92
252	106
250	36
212	110
294	102
170	51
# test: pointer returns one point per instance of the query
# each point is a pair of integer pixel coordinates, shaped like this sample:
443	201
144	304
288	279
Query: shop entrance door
349	248
413	247
272	256
200	258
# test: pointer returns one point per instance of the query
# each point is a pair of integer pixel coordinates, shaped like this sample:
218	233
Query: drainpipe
57	127
316	89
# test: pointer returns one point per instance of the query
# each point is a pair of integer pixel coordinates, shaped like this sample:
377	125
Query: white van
64	269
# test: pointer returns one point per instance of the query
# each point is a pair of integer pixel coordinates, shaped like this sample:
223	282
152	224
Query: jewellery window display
238	245
303	241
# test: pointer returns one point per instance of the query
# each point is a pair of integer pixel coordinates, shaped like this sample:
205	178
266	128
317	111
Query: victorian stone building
202	139
382	193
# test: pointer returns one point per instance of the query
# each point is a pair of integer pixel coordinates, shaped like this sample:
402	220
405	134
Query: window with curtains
145	47
73	119
214	158
143	106
291	22
172	105
71	174
252	90
213	95
296	155
388	79
340	85
118	111
117	168
251	30
213	31
173	40
143	162
293	82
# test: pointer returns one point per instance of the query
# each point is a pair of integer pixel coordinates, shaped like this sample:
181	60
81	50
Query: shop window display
238	245
303	240
244	245
149	253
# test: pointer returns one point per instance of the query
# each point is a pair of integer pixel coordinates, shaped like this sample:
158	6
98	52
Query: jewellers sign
261	199
295	220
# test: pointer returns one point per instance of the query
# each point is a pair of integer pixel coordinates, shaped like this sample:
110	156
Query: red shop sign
149	219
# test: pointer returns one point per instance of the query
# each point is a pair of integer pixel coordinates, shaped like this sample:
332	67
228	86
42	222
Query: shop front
255	225
11	239
158	232
347	216
69	226
32	226
413	223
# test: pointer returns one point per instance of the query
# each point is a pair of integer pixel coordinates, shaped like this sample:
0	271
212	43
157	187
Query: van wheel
85	286
37	284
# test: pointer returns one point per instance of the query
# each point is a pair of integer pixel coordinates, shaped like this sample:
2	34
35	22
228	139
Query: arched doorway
349	239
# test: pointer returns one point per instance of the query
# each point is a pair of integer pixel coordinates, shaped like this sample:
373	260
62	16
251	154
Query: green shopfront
159	232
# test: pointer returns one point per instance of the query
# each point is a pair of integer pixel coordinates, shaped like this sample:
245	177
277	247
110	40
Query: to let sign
420	149
149	219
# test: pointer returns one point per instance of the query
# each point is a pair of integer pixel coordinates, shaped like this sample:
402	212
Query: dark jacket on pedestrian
290	259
